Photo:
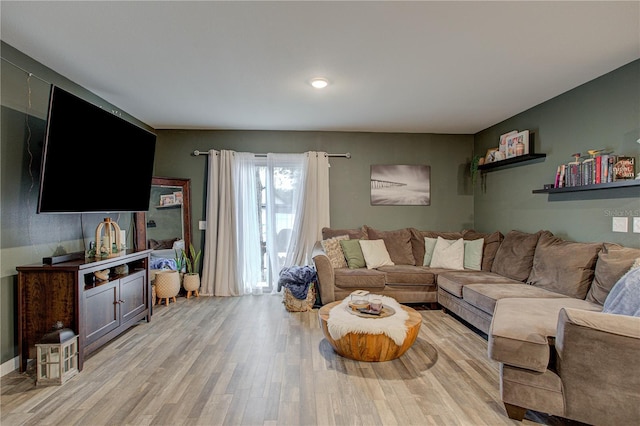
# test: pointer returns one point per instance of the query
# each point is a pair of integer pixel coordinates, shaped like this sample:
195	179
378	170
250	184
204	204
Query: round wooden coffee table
371	347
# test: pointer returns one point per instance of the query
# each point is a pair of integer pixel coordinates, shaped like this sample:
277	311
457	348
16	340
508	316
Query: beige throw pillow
334	252
375	253
448	254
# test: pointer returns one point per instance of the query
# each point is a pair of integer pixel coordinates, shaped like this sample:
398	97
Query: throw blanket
341	322
624	298
297	279
161	263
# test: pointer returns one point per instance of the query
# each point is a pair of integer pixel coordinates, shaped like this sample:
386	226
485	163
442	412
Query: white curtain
285	177
219	273
296	210
247	211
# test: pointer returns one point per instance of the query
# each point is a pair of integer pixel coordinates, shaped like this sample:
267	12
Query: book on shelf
624	168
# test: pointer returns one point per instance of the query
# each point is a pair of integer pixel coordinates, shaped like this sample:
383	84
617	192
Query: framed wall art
400	185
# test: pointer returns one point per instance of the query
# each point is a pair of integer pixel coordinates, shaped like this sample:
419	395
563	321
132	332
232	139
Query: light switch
620	224
636	225
202	225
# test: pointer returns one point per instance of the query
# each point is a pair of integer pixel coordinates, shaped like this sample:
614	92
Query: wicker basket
167	285
296	305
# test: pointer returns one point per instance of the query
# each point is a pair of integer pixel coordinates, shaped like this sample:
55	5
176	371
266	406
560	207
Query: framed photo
518	144
178	197
400	185
502	146
490	156
167	199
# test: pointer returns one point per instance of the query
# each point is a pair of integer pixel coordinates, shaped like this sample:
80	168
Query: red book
598	169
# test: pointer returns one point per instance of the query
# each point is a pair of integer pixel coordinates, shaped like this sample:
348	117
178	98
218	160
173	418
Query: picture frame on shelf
490	156
167	199
178	197
502	145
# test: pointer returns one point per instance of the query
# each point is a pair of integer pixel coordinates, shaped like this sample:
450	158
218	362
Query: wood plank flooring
247	361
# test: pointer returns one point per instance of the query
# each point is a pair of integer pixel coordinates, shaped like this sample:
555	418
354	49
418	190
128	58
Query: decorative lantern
109	245
57	354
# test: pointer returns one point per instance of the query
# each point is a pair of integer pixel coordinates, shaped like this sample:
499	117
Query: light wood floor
247	361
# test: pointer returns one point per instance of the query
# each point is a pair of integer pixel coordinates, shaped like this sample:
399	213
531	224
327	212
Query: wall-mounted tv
93	160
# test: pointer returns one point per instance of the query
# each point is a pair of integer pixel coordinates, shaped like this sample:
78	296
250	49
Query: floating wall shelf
594	187
510	162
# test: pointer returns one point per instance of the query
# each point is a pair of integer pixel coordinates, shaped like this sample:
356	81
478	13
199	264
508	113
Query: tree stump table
371	347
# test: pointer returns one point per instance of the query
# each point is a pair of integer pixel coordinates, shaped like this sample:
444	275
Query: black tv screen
93	160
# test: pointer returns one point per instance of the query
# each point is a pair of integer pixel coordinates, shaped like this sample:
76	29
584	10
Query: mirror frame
141	217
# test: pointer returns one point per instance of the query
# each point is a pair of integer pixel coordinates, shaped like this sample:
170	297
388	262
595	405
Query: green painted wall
26	237
603	113
448	155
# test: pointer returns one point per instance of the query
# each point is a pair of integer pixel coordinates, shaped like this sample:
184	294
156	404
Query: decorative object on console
109	244
102	275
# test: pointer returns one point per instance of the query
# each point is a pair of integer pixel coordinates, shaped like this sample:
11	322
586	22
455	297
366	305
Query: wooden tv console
97	311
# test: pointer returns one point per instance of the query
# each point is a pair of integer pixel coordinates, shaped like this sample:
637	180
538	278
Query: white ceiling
438	67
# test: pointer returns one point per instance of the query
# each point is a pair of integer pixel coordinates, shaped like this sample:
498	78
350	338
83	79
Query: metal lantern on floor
57	356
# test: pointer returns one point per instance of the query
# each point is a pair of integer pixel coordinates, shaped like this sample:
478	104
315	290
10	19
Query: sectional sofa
538	298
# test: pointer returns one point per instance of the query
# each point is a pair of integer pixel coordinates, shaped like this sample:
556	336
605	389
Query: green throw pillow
429	246
473	254
353	253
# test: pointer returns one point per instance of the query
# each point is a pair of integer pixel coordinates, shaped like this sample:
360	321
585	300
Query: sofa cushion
624	298
473	254
484	296
407	274
514	257
429	246
368	279
354	234
491	244
525	343
375	253
565	267
333	250
613	262
398	244
453	281
353	253
417	240
448	254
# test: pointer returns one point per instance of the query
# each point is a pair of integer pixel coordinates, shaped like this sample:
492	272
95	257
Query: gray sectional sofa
538	298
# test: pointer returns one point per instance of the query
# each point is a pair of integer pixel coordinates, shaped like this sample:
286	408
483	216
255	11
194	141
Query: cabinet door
101	310
133	295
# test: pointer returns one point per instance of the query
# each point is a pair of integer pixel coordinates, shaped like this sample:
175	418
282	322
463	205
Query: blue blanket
624	298
162	263
297	279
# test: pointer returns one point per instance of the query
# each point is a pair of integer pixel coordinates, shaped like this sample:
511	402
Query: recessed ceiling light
319	83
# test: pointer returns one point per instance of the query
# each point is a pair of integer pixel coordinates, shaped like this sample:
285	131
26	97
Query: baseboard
9	366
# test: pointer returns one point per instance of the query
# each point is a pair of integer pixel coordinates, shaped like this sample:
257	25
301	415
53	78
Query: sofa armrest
598	365
326	277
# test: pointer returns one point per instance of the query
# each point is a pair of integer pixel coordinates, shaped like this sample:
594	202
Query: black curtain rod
197	153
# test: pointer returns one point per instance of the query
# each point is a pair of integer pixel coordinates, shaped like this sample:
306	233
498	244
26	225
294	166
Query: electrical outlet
620	224
202	225
636	225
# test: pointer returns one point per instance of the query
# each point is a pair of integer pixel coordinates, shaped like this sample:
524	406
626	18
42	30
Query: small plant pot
191	283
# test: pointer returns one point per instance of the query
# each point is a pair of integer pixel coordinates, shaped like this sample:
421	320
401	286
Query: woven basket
167	284
296	305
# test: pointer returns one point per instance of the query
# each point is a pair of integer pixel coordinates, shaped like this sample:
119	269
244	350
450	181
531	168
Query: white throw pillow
448	254
429	245
375	253
473	254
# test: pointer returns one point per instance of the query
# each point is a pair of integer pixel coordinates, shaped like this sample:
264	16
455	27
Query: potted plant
191	280
476	161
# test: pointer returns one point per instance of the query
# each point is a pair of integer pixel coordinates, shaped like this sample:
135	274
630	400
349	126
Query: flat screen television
93	160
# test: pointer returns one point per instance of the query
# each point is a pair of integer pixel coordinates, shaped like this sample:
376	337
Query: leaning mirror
166	226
